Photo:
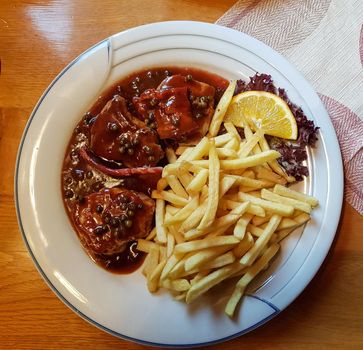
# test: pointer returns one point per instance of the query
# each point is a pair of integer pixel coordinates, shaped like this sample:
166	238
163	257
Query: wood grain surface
37	39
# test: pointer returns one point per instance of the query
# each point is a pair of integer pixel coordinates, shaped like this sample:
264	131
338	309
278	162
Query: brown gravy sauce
80	179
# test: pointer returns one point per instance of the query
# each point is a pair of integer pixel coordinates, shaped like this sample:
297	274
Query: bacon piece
120	172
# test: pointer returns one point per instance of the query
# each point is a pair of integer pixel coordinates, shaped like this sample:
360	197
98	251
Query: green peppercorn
128	223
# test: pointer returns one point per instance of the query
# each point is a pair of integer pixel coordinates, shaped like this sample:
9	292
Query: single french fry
273	197
220	225
242	247
221	109
151	261
203	256
184	156
207	282
302	218
199	276
171	209
248	173
170	245
225	184
153	280
220	261
180	296
250	274
184	176
170	263
151	235
231	129
146	265
145	246
266	174
183	213
176	186
248	132
233	144
280	235
209	231
255	193
159	221
205	243
261	242
174	230
226	153
199	150
193	220
181	149
229	218
241	225
256	231
256	184
284	224
198	181
179	285
162	253
250	161
232	202
162	184
258	220
256	210
222	140
213	188
170	155
247	189
287	223
278	208
171	198
289	193
252	141
179	268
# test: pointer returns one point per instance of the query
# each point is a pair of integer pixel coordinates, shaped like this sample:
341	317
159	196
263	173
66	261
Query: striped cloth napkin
330	32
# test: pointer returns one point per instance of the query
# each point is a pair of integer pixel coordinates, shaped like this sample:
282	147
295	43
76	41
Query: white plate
121	304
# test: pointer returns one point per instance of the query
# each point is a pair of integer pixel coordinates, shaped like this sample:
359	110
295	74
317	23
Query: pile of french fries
222	207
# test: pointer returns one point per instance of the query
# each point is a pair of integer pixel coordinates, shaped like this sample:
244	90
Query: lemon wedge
263	110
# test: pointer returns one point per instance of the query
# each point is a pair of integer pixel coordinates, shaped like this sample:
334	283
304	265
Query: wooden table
37	39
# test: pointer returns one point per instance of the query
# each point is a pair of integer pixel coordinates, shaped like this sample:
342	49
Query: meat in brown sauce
180	108
115	155
118	135
110	218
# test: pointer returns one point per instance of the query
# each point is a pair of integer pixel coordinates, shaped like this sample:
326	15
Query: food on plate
108	218
188	173
220	214
119	136
116	154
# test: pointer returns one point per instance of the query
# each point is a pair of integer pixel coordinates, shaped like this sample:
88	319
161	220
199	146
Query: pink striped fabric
333	66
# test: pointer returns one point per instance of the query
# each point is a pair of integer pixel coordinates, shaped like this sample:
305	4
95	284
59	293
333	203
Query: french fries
221	109
222	207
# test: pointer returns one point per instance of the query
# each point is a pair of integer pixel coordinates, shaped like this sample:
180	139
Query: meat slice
119	136
118	172
107	220
181	107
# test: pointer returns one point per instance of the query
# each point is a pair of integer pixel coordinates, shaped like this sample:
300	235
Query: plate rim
211	27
